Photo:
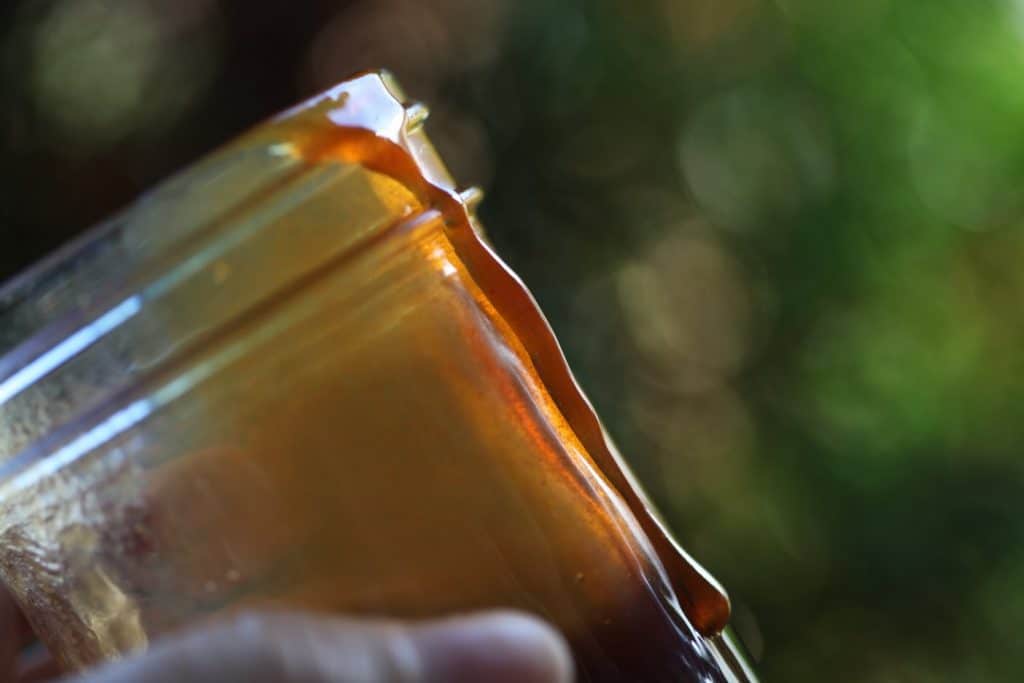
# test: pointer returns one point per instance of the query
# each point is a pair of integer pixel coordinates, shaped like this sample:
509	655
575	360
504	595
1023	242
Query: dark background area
780	241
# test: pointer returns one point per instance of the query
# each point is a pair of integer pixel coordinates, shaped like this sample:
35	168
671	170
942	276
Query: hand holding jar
296	377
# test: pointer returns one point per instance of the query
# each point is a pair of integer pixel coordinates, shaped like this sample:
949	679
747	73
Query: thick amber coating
296	376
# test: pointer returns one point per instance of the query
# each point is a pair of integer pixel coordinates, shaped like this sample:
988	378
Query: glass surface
296	376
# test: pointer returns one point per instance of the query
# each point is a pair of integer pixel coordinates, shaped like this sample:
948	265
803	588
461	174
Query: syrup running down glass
296	376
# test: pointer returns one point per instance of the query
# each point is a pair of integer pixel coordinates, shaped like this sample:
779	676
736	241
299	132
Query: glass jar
296	376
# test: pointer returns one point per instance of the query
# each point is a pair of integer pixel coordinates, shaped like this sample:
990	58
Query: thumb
497	647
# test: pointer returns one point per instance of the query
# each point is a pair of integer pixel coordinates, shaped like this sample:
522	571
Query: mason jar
296	376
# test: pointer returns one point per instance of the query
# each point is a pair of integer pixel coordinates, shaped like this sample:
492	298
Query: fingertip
498	647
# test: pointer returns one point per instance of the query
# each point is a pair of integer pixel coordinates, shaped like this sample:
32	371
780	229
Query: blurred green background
780	241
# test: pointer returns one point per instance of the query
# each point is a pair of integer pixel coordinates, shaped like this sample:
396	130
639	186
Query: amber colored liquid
414	468
391	433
